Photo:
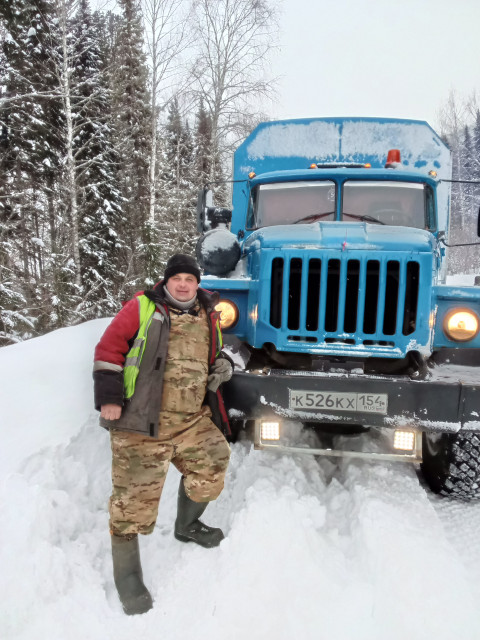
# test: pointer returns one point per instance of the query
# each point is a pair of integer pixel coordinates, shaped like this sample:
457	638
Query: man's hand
110	411
221	371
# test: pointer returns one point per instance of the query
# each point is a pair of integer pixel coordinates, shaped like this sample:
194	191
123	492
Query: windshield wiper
313	216
365	218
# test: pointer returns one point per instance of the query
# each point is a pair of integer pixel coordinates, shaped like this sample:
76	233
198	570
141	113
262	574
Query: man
157	372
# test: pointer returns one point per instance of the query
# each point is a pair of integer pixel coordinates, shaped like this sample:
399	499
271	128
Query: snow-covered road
315	548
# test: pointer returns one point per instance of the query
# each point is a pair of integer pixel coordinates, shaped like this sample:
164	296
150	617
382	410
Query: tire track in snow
461	523
315	550
418	579
383	532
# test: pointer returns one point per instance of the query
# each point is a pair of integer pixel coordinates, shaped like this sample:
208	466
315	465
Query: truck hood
341	236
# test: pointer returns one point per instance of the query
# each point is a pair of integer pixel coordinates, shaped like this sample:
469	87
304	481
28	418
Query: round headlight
461	325
228	313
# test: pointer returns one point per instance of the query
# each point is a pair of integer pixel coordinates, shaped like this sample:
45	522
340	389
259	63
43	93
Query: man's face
182	286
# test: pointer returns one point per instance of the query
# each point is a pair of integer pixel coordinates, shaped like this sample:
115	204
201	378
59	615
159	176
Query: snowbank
314	550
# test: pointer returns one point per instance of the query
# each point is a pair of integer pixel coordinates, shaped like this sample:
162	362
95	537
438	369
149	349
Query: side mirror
217	216
208	216
204	201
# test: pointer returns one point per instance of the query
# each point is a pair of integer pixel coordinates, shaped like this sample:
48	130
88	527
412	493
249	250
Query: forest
110	122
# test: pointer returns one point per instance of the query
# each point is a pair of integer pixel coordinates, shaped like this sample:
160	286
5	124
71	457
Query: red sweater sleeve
113	345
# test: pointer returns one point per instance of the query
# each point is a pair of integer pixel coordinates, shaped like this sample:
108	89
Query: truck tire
451	464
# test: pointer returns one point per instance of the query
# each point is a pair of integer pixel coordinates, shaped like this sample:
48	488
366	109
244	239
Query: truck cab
332	277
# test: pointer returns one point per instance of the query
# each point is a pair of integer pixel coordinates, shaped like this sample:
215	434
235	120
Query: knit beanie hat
181	263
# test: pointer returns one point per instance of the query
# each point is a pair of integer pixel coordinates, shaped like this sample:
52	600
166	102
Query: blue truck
331	268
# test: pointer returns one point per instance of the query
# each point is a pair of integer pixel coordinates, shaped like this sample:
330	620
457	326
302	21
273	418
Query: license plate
330	401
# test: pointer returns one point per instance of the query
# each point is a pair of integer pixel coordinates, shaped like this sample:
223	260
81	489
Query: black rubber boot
188	527
127	573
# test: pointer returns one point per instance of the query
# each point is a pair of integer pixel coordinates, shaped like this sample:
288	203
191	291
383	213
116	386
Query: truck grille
353	301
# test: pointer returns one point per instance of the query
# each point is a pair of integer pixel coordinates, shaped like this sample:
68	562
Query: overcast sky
384	58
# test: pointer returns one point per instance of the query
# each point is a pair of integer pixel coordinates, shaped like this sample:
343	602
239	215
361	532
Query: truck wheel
451	464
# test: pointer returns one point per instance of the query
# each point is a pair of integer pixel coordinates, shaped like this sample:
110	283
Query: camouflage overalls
187	437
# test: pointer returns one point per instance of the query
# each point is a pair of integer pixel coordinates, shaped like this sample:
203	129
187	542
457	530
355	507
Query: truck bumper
427	405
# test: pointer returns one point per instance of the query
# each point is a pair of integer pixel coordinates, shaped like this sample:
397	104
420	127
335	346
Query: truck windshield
392	203
291	202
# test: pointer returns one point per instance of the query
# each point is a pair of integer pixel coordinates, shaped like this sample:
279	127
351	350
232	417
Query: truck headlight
461	325
270	430
404	440
228	313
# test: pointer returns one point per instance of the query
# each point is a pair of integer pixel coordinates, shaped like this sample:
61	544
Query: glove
221	371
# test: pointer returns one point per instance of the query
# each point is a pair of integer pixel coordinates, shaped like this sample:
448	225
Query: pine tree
475	167
178	145
467	153
203	145
131	111
476	147
96	165
208	164
177	223
461	138
30	161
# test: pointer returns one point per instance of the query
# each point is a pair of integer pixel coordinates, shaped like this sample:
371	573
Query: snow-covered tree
458	122
99	200
103	148
177	225
30	155
204	145
234	40
59	199
166	38
132	122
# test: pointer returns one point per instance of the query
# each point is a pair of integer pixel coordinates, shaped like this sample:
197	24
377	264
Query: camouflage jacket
140	413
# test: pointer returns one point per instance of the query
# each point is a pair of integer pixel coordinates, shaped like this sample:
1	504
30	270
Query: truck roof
295	144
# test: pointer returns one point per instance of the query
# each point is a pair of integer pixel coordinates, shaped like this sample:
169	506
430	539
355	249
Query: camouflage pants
140	464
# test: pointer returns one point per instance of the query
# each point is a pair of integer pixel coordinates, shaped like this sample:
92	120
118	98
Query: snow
417	143
313	550
326	139
218	240
461	279
311	140
38	242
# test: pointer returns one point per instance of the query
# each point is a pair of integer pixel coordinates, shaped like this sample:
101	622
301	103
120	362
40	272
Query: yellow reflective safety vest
146	310
133	360
142	407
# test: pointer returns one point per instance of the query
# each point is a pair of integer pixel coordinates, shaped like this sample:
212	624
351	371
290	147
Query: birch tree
59	209
65	11
166	38
234	39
